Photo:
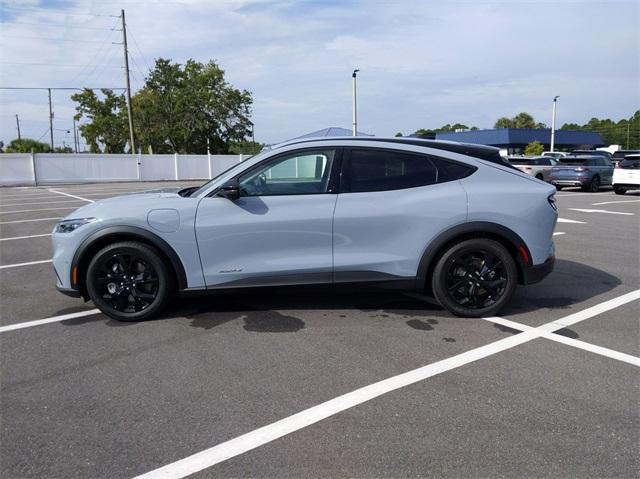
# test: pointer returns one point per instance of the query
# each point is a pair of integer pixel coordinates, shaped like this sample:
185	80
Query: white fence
50	168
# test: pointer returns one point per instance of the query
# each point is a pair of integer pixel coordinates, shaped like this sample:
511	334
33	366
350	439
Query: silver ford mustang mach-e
454	220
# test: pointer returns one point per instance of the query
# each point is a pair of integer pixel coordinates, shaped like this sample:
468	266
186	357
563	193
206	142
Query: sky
422	64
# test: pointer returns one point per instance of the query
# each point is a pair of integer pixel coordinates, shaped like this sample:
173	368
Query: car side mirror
230	190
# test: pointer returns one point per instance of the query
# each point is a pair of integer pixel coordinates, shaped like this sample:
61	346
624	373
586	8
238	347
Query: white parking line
564	220
72	196
29	203
614	202
40	322
29	221
258	437
24	237
582	210
18	265
39	209
558	233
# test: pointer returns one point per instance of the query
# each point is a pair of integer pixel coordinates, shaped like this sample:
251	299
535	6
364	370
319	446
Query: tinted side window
450	171
297	173
379	170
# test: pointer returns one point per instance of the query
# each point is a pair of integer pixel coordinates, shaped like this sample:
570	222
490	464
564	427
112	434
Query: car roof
482	152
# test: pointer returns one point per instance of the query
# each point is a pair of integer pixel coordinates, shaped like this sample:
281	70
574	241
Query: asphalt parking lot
324	384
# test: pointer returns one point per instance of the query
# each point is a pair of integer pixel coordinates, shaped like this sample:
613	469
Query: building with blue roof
516	139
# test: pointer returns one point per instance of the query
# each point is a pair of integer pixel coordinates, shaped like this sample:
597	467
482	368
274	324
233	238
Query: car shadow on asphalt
271	310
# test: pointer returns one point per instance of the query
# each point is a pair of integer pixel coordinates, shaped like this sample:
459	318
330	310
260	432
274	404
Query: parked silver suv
447	218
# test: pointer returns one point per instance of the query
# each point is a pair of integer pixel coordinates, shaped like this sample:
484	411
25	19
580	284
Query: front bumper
536	273
73	293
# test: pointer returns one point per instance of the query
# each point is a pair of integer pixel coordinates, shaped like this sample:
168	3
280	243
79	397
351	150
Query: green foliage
521	120
181	106
178	110
424	133
535	148
63	149
245	147
613	133
27	145
399	134
107	129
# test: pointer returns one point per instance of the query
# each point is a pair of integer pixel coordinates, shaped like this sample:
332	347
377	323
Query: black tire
558	187
460	282
593	186
619	191
540	177
129	281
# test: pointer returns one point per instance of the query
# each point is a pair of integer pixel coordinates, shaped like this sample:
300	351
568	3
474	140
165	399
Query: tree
399	134
535	148
27	145
107	129
245	147
625	132
521	120
181	106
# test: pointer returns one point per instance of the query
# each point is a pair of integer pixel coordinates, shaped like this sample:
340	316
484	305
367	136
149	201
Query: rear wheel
558	187
593	186
619	191
129	281
474	278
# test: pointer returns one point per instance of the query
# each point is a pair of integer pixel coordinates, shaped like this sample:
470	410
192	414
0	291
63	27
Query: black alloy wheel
475	278
129	281
593	186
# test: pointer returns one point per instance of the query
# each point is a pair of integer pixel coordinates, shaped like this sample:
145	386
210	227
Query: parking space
426	394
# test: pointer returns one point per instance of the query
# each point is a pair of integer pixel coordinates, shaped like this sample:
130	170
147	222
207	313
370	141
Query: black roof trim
483	152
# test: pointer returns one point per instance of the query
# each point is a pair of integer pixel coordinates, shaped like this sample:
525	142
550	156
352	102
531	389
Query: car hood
118	206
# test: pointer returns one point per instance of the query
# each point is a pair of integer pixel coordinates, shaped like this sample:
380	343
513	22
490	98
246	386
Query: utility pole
75	136
354	123
50	119
553	123
128	91
20	138
628	124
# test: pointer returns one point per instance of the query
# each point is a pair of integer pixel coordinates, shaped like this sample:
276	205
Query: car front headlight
67	226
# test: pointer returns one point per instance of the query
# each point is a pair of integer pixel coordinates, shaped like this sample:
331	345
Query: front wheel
619	191
129	281
475	278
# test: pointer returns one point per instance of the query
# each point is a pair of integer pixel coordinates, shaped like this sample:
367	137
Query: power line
58	25
50	39
56	64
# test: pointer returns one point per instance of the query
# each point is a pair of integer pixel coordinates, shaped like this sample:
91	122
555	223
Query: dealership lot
548	389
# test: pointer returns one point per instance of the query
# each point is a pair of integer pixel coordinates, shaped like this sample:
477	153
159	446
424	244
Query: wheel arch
475	229
112	234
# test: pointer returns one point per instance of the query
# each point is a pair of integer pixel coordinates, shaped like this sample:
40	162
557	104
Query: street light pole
75	136
20	138
50	119
354	123
553	123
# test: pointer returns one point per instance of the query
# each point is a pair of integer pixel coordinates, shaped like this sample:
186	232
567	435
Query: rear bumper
576	182
630	186
536	273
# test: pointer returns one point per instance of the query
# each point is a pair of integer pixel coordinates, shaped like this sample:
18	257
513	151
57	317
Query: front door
280	229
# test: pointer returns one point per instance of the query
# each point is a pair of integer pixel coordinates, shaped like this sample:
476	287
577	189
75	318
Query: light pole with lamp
354	124
553	123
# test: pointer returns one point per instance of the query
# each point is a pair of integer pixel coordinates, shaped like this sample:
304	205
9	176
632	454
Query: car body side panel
265	240
523	208
386	231
133	211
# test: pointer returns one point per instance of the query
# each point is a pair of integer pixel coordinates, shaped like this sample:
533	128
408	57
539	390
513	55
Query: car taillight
616	165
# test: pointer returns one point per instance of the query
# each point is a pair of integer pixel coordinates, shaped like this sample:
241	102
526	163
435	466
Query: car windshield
523	161
631	163
239	166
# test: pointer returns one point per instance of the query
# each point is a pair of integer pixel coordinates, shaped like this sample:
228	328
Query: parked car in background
601	153
554	154
621	154
590	172
450	218
626	175
538	167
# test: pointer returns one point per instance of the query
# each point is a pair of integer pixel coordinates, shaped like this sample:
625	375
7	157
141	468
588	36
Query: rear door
280	229
391	204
